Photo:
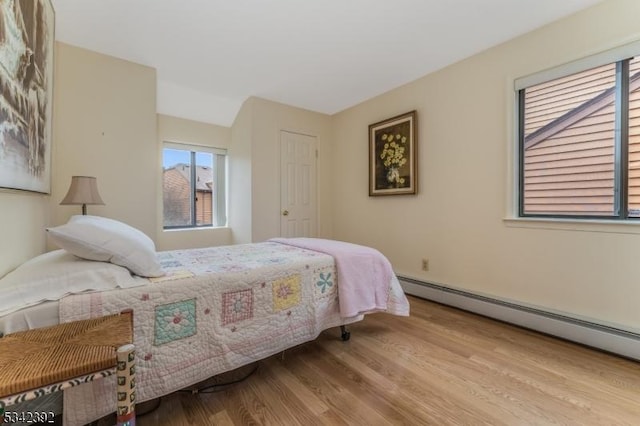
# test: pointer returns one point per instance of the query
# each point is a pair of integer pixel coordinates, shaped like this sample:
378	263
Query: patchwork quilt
217	309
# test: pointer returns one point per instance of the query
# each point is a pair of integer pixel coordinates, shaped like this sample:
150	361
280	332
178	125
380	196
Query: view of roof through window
570	143
187	196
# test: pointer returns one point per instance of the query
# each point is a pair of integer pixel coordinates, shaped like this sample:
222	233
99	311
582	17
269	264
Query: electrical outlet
425	264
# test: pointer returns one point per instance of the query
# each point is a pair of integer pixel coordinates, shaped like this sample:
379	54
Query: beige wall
255	167
23	217
173	129
465	115
105	126
240	188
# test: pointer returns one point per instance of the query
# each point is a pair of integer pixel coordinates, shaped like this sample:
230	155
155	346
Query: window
193	183
579	142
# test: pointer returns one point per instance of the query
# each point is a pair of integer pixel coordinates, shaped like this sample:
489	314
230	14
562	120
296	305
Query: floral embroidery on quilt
272	261
228	267
325	281
286	292
171	263
237	306
175	321
164	255
211	259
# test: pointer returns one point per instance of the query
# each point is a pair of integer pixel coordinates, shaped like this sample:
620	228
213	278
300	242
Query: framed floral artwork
393	164
26	94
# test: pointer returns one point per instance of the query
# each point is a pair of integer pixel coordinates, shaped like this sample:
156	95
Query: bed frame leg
344	333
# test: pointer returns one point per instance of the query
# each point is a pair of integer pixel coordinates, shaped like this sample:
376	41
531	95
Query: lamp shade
83	190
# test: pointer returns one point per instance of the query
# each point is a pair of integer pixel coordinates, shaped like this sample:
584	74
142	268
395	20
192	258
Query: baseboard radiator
609	339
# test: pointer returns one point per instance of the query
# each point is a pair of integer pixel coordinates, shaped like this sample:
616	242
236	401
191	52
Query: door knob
285	212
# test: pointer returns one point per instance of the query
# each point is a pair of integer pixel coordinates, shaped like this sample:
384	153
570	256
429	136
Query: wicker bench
38	362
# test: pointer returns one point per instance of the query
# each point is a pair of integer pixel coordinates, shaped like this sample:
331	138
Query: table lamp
83	190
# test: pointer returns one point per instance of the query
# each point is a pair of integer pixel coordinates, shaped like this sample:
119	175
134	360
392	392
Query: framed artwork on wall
393	164
26	94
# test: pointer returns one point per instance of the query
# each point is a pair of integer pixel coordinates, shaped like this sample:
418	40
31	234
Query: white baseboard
599	336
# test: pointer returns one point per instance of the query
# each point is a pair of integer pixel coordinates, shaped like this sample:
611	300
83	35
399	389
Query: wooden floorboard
440	366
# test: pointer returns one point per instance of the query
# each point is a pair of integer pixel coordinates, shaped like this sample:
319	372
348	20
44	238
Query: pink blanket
364	274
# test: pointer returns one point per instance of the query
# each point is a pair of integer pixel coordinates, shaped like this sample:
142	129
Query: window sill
198	228
581	225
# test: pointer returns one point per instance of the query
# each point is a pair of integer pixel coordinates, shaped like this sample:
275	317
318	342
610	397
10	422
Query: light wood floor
440	366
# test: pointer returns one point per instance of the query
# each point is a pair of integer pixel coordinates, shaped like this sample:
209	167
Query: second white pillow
108	240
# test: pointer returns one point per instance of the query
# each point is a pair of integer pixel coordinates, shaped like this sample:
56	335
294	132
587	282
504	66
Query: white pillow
108	240
53	275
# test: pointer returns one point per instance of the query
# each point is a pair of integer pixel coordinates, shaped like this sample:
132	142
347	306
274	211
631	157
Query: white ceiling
322	55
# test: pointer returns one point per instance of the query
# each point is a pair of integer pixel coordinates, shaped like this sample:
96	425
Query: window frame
620	56
219	216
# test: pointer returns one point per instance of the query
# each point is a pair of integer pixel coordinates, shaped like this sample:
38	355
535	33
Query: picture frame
393	160
26	94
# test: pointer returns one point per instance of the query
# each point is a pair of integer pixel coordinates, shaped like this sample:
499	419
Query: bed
215	309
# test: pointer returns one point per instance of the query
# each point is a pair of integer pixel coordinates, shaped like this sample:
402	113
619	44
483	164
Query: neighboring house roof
204	175
575	115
